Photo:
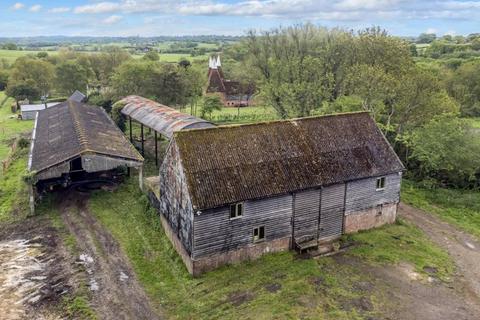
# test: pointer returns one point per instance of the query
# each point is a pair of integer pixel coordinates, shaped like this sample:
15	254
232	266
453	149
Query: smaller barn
74	143
232	193
29	111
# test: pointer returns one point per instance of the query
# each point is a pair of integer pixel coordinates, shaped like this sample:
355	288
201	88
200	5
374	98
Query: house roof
159	117
70	129
234	163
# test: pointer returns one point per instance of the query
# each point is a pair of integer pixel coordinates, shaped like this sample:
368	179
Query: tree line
306	70
299	71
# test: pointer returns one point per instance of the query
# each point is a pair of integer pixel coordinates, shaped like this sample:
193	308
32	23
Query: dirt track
116	292
461	299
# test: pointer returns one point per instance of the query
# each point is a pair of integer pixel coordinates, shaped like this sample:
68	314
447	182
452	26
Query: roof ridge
292	120
79	130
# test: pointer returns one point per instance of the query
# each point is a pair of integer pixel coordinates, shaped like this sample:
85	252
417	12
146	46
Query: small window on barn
380	183
236	210
259	234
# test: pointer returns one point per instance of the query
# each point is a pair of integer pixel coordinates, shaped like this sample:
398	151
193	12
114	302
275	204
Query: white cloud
342	10
18	6
35	8
59	10
112	19
431	30
101	7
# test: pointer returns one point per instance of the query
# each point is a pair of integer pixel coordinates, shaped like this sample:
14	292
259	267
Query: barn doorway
318	216
332	210
76	165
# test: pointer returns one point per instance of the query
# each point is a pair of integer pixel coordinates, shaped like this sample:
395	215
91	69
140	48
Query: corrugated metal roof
159	117
70	129
77	96
37	107
235	163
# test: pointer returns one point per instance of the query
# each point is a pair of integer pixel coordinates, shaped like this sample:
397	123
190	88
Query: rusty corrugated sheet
234	163
159	117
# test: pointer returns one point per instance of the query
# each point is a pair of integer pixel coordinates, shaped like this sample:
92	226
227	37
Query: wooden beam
143	144
131	133
156	149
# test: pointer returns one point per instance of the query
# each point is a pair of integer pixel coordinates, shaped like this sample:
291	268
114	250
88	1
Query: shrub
117	115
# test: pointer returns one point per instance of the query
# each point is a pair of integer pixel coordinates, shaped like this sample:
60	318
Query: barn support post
143	142
31	198
131	133
156	149
140	177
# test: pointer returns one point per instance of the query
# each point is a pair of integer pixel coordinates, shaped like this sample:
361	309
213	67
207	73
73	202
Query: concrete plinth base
370	218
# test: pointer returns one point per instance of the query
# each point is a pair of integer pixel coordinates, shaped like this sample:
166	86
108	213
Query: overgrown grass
401	242
458	207
320	289
13	189
10	126
474	122
239	115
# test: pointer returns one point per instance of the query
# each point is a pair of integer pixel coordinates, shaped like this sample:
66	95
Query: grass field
174	57
239	115
458	207
12	188
10	127
12	55
474	122
244	291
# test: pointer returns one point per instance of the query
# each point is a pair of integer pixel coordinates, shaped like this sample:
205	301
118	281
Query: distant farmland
12	55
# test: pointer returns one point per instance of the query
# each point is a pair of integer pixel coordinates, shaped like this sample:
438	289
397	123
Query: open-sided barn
73	142
235	192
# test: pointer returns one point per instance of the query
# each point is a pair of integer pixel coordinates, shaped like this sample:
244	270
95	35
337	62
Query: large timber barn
232	193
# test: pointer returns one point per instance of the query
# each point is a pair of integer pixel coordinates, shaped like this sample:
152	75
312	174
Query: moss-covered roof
72	128
235	163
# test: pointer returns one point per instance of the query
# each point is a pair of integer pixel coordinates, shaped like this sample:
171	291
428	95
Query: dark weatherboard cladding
234	163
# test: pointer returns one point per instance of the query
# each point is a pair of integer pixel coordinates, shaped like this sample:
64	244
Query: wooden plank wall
307	208
332	209
215	232
362	194
175	203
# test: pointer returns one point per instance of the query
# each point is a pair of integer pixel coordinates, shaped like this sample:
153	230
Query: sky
231	17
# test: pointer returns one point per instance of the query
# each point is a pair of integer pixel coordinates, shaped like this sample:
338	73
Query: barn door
331	212
305	218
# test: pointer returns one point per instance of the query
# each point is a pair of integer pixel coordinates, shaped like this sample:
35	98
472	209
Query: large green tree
446	148
70	76
464	85
38	72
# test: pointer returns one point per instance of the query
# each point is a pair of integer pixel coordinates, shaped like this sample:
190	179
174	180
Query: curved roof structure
159	117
